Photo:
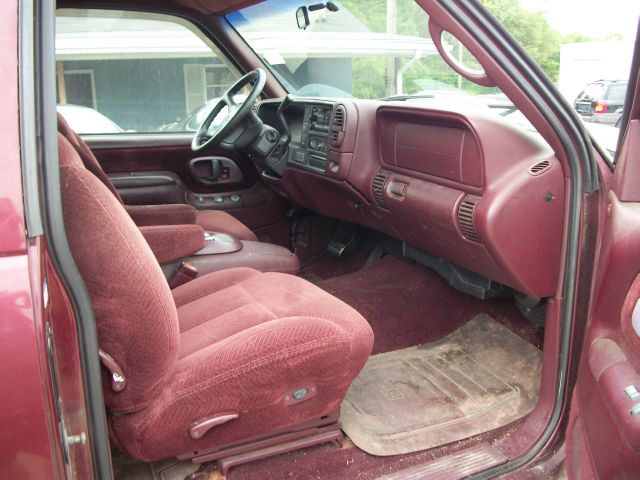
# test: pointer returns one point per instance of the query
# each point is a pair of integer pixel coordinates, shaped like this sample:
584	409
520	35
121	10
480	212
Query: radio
319	118
310	151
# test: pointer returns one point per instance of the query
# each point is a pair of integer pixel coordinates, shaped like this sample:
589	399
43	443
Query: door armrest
170	214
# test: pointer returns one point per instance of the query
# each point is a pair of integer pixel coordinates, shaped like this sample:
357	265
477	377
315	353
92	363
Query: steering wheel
227	114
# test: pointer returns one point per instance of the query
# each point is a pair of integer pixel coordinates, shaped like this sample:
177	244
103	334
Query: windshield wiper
406	97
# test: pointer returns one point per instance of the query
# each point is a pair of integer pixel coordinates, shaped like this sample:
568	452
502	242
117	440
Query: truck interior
318	285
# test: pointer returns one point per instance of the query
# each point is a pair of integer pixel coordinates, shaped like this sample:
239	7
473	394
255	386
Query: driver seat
230	360
168	214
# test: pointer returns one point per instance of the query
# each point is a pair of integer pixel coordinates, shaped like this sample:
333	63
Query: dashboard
310	129
459	183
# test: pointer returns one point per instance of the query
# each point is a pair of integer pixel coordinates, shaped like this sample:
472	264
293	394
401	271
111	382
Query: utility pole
460	62
392	63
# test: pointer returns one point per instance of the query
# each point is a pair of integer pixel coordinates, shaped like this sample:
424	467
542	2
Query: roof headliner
216	7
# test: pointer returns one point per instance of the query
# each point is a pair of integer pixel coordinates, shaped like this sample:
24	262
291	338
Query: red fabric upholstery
219	221
135	314
211	220
236	340
86	155
209	283
173	242
252	339
171	214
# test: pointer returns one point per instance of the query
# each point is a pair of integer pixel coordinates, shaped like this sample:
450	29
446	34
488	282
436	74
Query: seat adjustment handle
118	380
198	428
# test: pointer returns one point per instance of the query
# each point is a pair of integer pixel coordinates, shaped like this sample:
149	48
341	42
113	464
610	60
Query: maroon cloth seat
211	220
235	341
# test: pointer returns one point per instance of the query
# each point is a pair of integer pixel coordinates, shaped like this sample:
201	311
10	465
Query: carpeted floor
409	305
406	305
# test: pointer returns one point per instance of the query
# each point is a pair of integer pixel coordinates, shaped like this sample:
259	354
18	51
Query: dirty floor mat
480	377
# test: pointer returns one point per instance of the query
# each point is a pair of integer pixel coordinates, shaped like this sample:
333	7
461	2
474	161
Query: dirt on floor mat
480	377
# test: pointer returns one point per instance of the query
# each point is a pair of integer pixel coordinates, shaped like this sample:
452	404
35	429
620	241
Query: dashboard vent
377	186
337	126
465	217
539	167
338	118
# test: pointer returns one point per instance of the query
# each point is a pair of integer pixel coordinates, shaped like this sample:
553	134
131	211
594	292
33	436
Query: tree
531	29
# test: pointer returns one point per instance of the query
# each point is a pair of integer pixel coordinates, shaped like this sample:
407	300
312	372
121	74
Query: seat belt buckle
185	273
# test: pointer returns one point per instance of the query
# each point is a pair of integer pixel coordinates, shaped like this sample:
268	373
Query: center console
222	251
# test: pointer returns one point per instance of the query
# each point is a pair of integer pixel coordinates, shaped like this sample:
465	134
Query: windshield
372	49
382	48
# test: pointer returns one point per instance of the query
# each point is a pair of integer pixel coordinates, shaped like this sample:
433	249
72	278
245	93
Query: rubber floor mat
480	377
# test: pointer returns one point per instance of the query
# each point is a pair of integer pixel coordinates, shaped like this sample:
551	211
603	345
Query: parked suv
602	101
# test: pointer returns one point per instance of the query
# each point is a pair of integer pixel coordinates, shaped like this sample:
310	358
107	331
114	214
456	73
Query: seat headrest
86	155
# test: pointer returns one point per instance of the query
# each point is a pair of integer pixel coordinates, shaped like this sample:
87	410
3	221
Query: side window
617	93
130	72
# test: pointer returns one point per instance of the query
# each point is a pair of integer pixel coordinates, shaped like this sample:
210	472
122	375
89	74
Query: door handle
206	171
214	170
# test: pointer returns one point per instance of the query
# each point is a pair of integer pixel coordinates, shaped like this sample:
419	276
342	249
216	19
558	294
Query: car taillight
600	107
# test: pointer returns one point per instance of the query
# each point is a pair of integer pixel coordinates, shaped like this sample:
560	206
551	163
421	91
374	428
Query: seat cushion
222	222
247	339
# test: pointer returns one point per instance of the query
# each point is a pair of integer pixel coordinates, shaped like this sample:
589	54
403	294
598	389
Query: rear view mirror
302	16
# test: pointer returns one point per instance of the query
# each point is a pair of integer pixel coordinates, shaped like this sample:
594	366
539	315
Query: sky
594	18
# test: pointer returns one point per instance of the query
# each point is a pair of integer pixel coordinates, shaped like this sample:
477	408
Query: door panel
604	436
149	188
169	153
154	169
610	361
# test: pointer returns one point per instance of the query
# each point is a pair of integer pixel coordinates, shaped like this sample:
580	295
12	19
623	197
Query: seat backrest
86	155
134	309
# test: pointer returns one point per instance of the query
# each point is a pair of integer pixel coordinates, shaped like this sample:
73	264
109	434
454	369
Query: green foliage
411	19
369	77
369	72
575	38
531	29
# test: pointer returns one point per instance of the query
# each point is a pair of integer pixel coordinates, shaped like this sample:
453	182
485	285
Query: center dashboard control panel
310	149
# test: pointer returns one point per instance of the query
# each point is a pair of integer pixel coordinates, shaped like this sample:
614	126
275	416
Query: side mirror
302	17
